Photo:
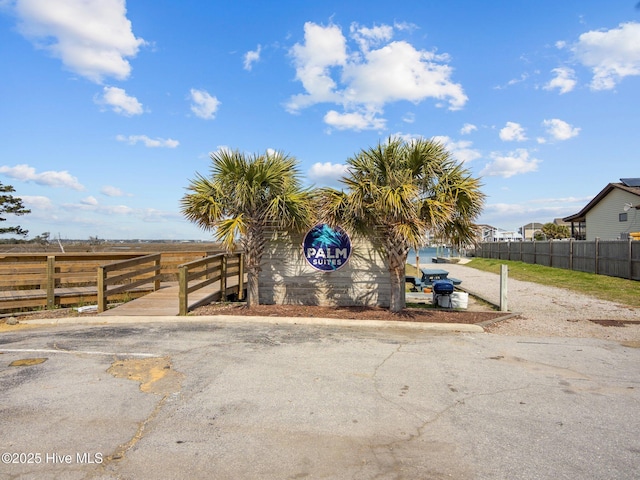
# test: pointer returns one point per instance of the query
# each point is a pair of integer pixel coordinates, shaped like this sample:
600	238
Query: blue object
443	287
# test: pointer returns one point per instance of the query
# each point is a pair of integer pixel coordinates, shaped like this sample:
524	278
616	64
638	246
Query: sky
109	108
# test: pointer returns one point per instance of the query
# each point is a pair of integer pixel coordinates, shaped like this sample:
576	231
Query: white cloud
368	37
117	210
398	71
409	117
327	172
90	200
204	105
461	150
513	81
148	142
37	202
581	201
92	37
560	130
610	54
564	80
51	178
408	137
379	71
87	205
514	163
251	57
514	215
324	47
111	191
467	128
512	132
120	102
354	121
152	215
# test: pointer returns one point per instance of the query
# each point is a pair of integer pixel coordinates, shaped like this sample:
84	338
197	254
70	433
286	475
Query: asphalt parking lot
209	399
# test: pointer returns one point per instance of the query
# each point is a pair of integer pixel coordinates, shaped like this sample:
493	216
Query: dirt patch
614	323
424	315
154	374
27	362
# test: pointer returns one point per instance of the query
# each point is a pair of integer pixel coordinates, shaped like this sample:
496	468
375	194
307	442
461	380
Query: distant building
489	233
613	214
528	231
486	233
507	236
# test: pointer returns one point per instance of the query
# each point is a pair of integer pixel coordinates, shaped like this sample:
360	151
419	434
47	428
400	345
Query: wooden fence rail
615	258
49	280
30	281
126	275
220	268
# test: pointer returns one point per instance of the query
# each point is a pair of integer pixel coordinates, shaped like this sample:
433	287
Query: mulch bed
429	315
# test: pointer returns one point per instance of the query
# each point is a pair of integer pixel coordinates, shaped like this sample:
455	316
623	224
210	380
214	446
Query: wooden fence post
183	286
223	278
504	278
597	255
157	263
241	277
102	290
629	252
51	281
571	253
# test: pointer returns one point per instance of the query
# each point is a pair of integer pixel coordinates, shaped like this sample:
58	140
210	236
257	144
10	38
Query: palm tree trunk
397	302
254	247
253	292
397	258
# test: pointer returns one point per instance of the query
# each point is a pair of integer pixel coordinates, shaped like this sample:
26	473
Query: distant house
613	213
529	230
486	233
494	234
561	223
507	236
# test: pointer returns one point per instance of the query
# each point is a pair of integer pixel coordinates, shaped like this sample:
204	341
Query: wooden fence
49	280
126	276
615	258
217	268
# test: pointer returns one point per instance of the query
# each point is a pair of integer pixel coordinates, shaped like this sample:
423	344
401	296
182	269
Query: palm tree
398	190
245	196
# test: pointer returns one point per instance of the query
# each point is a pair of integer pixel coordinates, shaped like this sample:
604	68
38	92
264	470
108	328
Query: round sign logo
326	248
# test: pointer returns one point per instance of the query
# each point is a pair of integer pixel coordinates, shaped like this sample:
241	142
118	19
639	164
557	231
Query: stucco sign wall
325	248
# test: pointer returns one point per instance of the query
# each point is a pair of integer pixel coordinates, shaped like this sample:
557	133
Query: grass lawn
619	290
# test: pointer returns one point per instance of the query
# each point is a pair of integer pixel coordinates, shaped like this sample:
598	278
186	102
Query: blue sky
108	108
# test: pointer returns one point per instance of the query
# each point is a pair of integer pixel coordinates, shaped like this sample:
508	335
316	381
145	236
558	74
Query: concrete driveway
209	399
